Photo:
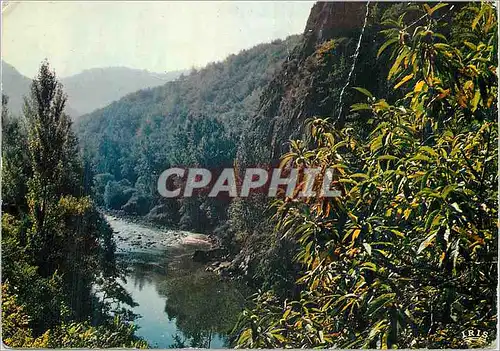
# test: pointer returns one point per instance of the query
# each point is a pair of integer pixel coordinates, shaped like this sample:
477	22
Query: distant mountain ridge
15	86
98	87
89	90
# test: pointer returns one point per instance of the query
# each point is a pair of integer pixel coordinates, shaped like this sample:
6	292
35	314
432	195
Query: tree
56	248
54	161
116	194
15	161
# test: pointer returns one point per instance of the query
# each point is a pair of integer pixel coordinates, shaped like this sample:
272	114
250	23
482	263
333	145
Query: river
179	303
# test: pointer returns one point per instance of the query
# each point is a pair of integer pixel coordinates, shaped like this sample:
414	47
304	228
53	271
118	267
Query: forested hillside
196	120
244	108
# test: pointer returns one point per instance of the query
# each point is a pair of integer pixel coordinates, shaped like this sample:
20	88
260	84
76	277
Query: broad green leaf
363	91
430	219
360	107
360	175
470	45
475	100
437	7
379	302
429	150
447	190
386	45
395	67
245	335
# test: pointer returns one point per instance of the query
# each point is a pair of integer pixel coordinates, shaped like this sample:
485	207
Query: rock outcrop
312	77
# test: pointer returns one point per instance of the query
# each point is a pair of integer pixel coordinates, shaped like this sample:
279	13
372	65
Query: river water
179	303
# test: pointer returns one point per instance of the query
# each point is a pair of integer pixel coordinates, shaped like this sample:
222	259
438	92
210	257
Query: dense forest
399	99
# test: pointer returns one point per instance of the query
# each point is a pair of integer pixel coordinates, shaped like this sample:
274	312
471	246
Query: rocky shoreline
144	236
189	238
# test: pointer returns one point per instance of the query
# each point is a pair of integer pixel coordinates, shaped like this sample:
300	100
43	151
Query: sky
157	36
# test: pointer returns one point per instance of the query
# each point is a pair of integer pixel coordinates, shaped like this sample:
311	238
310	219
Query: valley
385	235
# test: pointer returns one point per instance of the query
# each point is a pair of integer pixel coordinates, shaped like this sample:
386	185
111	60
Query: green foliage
16	332
406	256
15	165
56	247
15	323
116	194
99	187
83	335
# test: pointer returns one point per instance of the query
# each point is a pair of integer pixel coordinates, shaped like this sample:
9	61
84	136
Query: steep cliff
311	79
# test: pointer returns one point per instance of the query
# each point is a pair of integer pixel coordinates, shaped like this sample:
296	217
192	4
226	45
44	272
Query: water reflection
202	305
181	305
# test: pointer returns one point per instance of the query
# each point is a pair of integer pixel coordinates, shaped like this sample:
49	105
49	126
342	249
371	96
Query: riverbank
143	235
135	219
140	234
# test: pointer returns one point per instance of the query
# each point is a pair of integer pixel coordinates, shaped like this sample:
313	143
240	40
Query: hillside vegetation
407	256
194	121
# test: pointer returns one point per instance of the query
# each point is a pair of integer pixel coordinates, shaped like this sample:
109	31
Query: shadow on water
179	303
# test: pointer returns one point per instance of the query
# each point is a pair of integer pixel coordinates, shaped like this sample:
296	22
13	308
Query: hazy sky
157	36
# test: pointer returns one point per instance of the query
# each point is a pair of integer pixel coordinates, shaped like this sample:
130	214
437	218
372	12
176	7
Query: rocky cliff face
312	77
332	19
